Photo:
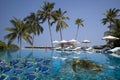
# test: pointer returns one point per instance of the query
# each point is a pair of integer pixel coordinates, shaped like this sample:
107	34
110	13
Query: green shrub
13	47
3	46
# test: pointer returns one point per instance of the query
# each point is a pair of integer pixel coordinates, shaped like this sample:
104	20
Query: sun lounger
68	48
72	49
57	48
76	49
114	49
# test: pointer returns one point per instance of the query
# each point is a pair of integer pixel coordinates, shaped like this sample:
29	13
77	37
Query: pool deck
39	47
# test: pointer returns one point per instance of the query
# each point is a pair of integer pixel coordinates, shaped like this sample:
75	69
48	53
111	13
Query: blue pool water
52	65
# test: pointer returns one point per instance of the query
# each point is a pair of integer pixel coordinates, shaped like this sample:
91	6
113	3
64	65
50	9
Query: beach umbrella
63	41
55	41
109	38
73	41
86	42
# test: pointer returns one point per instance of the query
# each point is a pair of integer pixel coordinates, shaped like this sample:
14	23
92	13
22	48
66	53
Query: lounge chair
57	48
114	49
68	48
76	49
89	49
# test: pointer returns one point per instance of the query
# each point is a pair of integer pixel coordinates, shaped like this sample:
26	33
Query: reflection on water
7	54
2	53
50	65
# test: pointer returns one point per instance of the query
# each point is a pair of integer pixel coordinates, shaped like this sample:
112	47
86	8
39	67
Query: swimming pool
38	64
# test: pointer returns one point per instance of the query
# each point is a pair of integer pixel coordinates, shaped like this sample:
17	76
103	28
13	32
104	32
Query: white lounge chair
68	48
114	49
89	49
57	48
76	49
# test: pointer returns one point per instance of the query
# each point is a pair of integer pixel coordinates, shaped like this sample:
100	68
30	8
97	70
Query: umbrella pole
86	45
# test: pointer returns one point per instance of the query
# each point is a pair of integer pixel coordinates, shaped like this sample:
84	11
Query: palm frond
79	22
10	29
10	36
57	27
63	24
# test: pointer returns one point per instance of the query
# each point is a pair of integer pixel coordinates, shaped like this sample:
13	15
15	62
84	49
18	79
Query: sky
91	11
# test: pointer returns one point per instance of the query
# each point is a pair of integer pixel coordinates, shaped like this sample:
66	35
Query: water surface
55	65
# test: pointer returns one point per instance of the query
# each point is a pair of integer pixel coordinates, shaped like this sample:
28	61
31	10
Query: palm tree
47	13
110	16
78	22
116	32
19	31
34	26
60	21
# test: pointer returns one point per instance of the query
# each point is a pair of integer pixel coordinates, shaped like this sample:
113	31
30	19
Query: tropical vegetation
19	31
110	16
78	22
34	26
116	33
4	46
113	20
61	24
31	25
13	47
46	13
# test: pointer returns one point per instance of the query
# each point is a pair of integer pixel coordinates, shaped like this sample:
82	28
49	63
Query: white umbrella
55	41
109	38
86	41
63	41
73	41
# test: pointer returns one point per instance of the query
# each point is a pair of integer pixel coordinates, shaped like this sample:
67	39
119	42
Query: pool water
36	64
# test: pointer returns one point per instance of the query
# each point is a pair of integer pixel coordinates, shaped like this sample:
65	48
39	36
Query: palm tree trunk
61	34
20	46
20	43
50	33
32	41
110	26
110	29
77	32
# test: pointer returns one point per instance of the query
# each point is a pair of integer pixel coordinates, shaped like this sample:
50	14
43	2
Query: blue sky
90	11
